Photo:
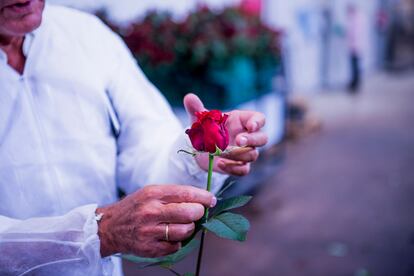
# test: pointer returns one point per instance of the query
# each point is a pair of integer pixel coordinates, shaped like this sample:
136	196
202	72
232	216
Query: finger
245	154
252	120
176	232
193	104
167	248
181	193
254	139
181	212
234	169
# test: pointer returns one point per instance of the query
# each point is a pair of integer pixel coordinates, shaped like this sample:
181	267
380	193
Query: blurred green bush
226	57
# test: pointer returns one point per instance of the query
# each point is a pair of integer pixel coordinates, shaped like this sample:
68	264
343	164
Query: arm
41	246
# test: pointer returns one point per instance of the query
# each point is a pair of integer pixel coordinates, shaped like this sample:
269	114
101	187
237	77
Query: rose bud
209	131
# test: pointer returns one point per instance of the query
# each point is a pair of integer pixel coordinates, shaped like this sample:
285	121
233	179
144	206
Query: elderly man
78	120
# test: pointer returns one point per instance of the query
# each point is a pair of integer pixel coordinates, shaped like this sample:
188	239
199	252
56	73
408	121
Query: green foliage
229	226
226	57
230	203
166	261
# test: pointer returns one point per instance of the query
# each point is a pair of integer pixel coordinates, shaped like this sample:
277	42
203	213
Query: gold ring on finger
167	228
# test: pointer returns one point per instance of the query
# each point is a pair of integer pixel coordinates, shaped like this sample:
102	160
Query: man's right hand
137	224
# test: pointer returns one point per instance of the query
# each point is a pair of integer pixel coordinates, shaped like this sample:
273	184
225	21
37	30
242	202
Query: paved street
342	201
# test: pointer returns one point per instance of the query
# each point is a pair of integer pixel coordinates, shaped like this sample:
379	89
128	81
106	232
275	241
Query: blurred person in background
400	40
326	33
354	36
78	120
382	24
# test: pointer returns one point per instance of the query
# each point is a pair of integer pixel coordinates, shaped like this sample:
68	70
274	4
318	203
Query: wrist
103	217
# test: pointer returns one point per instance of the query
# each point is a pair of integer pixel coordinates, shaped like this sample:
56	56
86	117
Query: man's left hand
245	132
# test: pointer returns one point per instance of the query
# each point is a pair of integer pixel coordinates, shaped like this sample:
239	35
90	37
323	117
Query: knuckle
149	213
144	232
186	194
151	191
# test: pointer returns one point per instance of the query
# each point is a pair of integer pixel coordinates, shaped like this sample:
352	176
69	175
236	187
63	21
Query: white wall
299	20
302	22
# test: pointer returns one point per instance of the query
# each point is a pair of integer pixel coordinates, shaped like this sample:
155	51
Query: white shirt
80	122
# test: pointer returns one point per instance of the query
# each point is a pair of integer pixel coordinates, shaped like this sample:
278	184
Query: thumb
193	104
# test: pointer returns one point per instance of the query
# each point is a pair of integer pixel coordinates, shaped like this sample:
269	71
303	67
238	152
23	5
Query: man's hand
137	224
244	130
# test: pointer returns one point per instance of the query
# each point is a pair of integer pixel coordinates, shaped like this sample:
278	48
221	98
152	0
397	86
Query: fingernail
213	202
243	141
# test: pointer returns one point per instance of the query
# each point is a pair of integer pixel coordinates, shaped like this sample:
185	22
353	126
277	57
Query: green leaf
229	226
230	203
136	259
165	261
189	274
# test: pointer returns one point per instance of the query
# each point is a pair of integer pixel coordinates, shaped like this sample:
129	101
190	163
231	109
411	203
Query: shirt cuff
90	230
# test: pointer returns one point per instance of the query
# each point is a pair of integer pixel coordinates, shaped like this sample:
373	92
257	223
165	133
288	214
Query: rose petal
196	135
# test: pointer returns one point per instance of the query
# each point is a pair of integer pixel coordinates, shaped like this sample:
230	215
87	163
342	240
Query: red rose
209	131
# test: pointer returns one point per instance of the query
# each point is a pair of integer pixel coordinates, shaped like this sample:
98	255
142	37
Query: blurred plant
196	53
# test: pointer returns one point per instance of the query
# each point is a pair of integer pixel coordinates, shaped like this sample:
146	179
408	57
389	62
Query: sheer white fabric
65	245
81	121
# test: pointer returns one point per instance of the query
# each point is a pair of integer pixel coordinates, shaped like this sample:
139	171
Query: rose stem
203	233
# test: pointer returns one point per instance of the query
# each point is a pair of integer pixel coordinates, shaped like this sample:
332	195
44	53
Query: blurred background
334	188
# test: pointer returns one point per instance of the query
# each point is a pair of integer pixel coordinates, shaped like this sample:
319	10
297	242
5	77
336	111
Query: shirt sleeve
64	245
149	133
